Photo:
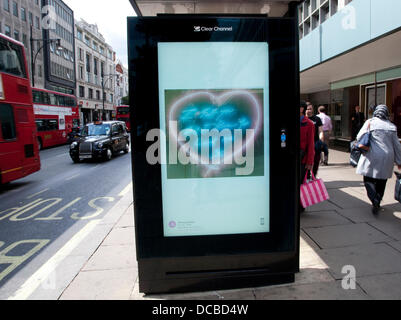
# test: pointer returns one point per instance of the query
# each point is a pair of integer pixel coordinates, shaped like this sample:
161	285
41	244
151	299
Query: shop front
367	91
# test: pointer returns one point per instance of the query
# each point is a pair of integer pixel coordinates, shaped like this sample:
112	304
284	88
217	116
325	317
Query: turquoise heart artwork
233	114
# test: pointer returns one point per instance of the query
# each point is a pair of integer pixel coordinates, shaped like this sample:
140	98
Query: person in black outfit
357	119
319	136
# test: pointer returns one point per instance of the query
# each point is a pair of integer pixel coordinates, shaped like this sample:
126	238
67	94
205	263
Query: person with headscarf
377	165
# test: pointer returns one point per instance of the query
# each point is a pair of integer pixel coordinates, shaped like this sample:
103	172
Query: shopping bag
397	191
355	154
313	191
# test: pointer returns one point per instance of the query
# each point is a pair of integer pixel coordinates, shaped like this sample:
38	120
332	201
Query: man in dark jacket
357	120
319	136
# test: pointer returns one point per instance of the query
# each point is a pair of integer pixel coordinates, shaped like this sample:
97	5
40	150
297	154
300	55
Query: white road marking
125	190
72	177
37	193
46	270
62	155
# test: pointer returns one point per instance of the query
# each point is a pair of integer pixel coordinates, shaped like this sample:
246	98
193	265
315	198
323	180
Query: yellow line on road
125	190
50	266
37	193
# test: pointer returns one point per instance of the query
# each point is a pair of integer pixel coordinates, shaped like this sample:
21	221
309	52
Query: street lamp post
105	78
33	58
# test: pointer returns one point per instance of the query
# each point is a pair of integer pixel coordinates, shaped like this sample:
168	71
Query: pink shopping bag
313	192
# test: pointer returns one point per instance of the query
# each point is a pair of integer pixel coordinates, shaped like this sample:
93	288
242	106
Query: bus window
70	102
46	124
123	110
60	100
46	98
7	122
53	124
11	58
75	123
39	125
53	99
37	96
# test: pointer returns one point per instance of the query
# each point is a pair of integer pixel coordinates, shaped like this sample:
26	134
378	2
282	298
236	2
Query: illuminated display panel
214	113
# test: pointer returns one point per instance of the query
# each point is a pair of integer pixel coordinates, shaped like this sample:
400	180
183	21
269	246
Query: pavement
340	239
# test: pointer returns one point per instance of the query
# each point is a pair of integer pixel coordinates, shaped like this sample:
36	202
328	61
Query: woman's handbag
313	192
397	191
364	142
360	147
355	154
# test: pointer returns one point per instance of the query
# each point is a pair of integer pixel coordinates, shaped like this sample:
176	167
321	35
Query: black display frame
195	262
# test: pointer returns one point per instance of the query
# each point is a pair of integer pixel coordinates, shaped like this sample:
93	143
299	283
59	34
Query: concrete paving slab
388	224
371	259
358	215
345	235
321	219
101	285
314	291
313	275
322	206
112	258
120	236
396	245
309	258
53	286
307	242
127	220
382	287
93	240
347	198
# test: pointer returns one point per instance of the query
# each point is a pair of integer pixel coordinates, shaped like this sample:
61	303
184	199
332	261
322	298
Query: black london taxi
100	140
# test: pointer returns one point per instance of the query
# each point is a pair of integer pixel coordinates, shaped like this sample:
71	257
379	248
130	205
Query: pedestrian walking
327	128
376	165
307	145
318	136
357	121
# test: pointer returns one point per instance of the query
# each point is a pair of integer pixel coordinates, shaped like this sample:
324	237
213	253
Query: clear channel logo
209	29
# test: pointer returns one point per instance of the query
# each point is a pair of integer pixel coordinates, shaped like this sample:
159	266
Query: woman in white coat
377	165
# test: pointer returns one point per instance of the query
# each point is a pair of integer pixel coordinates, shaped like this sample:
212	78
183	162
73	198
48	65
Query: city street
42	212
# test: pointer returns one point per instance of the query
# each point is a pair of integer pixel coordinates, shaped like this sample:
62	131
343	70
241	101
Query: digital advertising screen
214	137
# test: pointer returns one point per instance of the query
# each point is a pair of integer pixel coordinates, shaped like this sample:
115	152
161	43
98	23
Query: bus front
123	114
19	153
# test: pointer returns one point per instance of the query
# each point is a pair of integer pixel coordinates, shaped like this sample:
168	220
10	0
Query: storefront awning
378	55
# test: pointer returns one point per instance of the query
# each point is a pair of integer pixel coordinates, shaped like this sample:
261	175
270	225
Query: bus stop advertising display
215	163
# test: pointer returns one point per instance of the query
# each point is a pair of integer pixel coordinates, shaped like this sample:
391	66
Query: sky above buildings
111	19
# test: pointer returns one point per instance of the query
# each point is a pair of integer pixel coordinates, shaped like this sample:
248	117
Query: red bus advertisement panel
56	115
124	115
19	152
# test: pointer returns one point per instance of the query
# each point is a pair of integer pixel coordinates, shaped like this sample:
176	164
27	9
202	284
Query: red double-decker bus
123	115
19	152
56	115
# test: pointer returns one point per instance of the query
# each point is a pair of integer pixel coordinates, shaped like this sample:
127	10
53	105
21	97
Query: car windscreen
96	130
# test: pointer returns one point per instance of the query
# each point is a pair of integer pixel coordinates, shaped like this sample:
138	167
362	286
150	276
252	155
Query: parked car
100	140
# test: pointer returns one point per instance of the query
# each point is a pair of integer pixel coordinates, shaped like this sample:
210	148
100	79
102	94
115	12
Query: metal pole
32	62
375	90
103	96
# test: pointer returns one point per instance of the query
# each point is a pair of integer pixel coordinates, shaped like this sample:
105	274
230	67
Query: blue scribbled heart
229	110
